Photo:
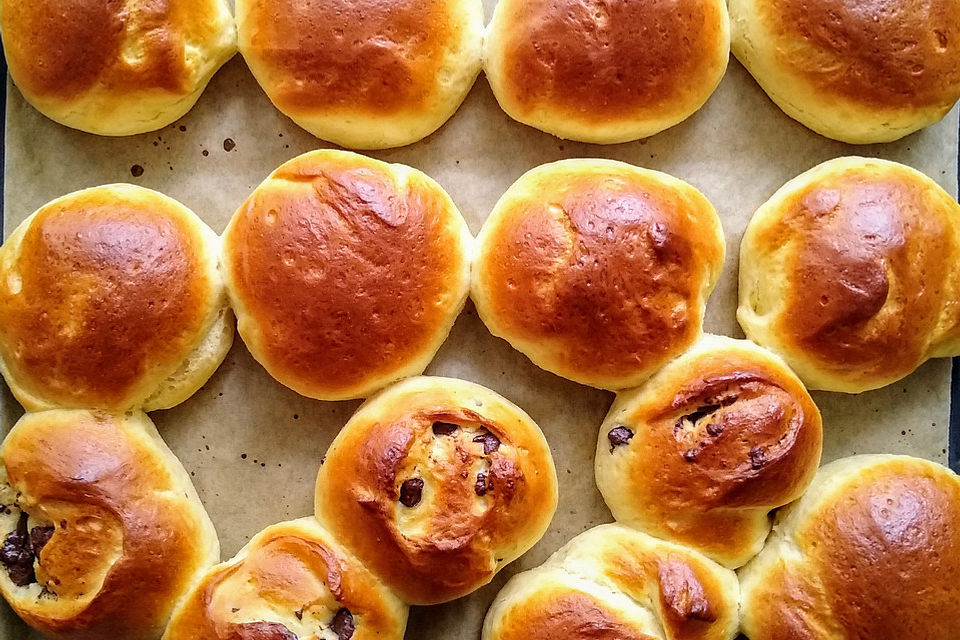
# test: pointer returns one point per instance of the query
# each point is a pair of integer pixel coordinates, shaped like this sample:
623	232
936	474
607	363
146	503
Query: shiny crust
291	574
849	273
597	270
605	71
481	506
720	437
871	551
346	273
615	583
130	533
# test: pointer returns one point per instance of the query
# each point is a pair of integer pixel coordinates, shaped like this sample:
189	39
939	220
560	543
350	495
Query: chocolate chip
702	412
758	458
343	624
619	435
17	556
411	491
481	487
444	428
39	537
234	609
691	454
490	442
299	613
714	429
264	631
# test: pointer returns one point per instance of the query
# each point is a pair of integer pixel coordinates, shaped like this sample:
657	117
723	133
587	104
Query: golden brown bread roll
605	72
365	74
597	270
346	273
436	484
292	580
111	298
703	451
115	68
871	551
855	72
615	583
102	529
849	273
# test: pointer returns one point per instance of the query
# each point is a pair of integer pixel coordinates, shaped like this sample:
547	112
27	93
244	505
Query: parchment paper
253	447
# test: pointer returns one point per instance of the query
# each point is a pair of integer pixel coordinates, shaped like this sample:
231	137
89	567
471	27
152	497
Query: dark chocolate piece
490	442
445	428
411	491
343	624
618	436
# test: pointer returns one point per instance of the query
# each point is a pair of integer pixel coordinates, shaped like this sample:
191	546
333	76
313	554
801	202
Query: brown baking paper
253	447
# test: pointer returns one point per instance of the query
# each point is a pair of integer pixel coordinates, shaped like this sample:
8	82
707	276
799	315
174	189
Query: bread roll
292	580
111	298
860	73
346	273
436	484
850	273
605	72
365	74
115	68
102	529
598	271
615	583
871	551
703	451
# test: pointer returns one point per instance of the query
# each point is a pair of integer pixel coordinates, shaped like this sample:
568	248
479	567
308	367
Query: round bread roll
102	529
436	484
704	450
346	273
871	551
853	72
605	72
115	68
292	580
364	74
850	273
615	583
598	271
111	298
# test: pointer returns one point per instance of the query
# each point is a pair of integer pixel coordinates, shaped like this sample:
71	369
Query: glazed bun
436	484
703	451
346	273
605	72
598	271
850	273
615	583
102	529
111	298
871	551
292	580
856	73
115	68
364	74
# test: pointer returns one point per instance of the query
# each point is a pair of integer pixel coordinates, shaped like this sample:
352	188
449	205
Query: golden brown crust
566	614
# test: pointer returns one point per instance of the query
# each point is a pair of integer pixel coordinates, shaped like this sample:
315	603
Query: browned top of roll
565	613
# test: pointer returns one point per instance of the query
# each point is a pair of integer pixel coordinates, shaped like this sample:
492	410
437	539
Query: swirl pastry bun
102	529
111	298
847	272
598	271
436	484
703	451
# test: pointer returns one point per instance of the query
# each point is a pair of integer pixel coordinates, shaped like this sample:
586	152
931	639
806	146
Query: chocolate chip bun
615	583
848	273
102	529
598	271
346	273
115	68
871	551
111	298
605	72
703	451
292	580
849	71
365	74
436	484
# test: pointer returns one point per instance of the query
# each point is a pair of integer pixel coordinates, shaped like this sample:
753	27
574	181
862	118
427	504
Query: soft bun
605	72
597	270
851	273
703	451
365	74
853	72
102	529
436	484
615	583
115	68
111	298
871	551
